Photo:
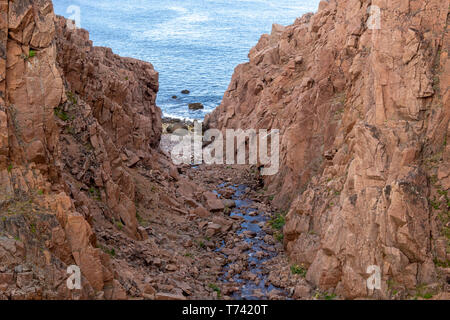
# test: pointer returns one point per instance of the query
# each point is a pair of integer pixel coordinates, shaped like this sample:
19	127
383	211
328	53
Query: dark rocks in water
185	92
174	97
195	106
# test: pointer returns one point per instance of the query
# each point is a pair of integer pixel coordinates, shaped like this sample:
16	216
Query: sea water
193	44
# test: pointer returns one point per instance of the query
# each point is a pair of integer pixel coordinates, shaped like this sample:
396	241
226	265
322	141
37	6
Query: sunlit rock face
72	119
362	102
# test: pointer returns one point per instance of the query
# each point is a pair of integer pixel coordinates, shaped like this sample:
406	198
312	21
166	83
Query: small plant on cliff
72	98
61	114
296	269
201	244
10	167
216	289
95	193
422	291
328	296
279	236
111	252
441	264
278	221
140	220
119	225
31	54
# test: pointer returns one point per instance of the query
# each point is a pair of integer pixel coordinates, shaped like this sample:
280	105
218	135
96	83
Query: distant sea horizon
194	45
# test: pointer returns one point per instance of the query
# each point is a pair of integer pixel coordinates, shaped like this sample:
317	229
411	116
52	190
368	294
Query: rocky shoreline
169	125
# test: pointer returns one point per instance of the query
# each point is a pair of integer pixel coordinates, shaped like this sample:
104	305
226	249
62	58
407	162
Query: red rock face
112	112
121	91
364	118
73	118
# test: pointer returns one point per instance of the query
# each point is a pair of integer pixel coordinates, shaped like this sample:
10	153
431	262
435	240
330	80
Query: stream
259	251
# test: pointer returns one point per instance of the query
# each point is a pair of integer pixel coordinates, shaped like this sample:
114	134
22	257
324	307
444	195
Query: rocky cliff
73	119
364	117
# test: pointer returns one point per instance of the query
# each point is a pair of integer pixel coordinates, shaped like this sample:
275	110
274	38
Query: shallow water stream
259	251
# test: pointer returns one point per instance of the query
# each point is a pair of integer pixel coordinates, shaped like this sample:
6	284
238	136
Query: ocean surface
193	44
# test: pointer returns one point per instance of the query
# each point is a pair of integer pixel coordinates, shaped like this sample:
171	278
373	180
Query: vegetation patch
94	193
278	221
422	291
201	244
61	114
119	225
71	97
300	270
279	236
216	289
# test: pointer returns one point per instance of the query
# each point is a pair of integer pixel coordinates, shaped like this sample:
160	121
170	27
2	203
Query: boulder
228	203
201	211
176	126
196	106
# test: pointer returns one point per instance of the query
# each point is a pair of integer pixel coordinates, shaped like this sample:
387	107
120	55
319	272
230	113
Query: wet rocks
196	106
176	126
228	203
185	91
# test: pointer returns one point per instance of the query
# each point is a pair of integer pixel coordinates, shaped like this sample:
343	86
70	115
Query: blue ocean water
193	44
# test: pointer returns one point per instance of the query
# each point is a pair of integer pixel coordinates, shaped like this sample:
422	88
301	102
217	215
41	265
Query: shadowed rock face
364	117
73	118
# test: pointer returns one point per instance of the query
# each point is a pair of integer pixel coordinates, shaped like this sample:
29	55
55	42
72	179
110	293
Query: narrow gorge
86	177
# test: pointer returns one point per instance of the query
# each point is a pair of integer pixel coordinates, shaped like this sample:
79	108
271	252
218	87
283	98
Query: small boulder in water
174	97
195	106
229	203
185	92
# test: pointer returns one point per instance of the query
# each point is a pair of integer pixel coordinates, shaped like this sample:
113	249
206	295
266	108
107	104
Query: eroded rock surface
365	162
73	119
364	116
